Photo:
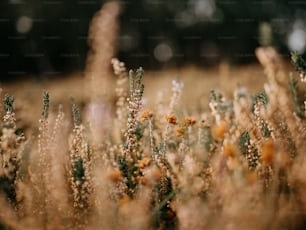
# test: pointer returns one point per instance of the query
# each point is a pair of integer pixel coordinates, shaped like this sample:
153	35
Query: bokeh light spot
163	52
24	24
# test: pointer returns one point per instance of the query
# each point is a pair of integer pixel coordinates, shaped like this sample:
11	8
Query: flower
268	151
189	121
114	175
171	119
124	200
220	129
232	163
229	150
144	162
147	114
251	177
180	131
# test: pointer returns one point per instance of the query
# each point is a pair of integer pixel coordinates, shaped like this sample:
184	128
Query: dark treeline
49	37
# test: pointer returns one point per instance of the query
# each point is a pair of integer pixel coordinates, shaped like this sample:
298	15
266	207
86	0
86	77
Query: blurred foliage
203	32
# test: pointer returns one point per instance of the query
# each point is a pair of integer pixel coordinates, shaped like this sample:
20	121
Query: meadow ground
197	85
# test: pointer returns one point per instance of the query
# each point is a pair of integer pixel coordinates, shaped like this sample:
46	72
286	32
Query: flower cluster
80	164
11	150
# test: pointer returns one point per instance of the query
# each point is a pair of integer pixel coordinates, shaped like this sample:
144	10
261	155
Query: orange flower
114	175
220	129
284	159
251	177
268	151
232	163
229	150
171	119
144	162
180	131
124	200
189	121
147	114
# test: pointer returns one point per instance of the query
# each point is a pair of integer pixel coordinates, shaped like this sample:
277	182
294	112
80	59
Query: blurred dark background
49	37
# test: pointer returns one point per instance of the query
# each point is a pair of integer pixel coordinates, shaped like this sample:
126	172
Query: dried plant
80	178
11	149
102	41
299	64
121	94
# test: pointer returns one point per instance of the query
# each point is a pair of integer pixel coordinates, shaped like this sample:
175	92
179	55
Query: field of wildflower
175	152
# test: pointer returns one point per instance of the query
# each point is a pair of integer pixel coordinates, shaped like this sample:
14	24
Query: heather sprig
205	137
262	128
299	65
147	115
44	135
177	89
121	94
80	164
219	106
131	151
44	159
8	103
76	113
261	98
134	106
299	106
46	104
11	150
